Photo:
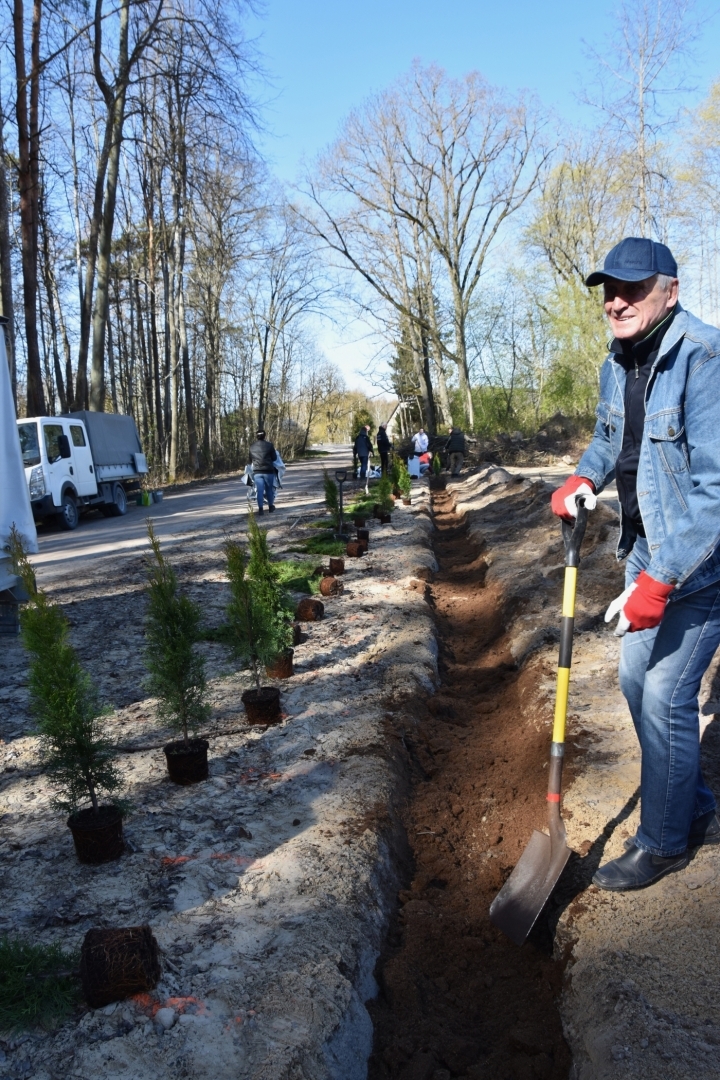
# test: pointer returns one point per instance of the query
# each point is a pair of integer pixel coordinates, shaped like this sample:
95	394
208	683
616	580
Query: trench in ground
457	998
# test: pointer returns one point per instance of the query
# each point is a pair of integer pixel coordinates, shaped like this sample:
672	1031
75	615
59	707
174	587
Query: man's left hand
641	606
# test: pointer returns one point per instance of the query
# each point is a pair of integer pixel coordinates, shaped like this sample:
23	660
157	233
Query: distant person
420	442
383	445
363	448
457	450
263	457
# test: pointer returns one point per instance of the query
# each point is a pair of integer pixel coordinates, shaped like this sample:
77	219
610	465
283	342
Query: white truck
80	461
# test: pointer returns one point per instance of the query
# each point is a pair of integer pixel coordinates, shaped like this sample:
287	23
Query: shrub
172	629
259	627
332	499
404	481
76	754
383	493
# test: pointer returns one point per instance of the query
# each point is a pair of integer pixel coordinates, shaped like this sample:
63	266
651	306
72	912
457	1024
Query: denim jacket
678	480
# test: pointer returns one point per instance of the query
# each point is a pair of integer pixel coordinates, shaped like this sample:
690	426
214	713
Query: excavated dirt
457	998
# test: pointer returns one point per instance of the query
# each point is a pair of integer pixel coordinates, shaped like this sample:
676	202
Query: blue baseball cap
635	259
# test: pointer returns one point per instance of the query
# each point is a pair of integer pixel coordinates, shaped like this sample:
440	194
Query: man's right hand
563	500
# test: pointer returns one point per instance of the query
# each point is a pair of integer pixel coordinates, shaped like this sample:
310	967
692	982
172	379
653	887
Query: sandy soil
269	886
381	816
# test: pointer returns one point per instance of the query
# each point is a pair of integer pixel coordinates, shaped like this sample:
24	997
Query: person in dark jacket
457	450
262	459
384	445
363	448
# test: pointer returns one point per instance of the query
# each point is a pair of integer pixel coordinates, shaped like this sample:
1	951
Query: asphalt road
183	512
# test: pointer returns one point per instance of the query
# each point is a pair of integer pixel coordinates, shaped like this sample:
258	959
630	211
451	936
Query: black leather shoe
271	509
636	869
704	830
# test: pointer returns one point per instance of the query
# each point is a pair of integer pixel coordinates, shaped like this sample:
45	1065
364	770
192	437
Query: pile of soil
457	999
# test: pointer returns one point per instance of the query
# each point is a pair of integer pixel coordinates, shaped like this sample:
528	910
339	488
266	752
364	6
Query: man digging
658	435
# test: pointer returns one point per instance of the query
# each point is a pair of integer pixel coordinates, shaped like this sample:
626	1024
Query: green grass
222	634
324	523
35	987
297	575
361	507
321	545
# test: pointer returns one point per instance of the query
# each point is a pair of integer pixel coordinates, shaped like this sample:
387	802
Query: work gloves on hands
563	500
641	606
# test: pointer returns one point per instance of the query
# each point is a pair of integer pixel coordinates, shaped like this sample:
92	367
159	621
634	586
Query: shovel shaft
565	657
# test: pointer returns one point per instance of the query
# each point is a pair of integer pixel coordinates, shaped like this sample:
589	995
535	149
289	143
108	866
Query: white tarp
14	494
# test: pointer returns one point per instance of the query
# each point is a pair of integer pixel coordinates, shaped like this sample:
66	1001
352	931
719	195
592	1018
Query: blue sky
323	57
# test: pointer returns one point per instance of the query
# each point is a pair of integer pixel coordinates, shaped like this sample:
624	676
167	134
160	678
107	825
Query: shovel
525	893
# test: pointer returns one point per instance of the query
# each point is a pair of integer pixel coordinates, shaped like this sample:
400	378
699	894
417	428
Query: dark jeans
363	466
384	462
660	674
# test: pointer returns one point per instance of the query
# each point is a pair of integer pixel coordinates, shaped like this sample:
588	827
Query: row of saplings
80	760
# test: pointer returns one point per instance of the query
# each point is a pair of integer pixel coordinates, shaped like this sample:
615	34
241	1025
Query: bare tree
443	159
637	77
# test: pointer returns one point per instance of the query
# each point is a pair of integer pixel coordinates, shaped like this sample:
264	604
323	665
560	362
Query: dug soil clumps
309	610
115	964
458	999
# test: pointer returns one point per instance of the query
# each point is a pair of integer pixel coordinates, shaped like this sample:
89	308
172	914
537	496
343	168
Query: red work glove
563	501
645	606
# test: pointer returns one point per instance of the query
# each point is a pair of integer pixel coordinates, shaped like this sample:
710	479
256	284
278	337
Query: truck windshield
29	444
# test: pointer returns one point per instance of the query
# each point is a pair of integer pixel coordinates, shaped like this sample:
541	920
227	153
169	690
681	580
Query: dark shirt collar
640	352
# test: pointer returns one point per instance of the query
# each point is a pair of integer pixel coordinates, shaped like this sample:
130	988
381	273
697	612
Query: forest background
150	263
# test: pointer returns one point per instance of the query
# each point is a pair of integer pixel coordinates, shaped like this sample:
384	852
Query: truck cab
63	474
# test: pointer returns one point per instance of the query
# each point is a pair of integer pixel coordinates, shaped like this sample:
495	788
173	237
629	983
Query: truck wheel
69	516
118	506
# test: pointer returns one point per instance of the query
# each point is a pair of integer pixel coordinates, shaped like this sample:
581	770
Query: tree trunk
50	283
100	311
28	174
6	294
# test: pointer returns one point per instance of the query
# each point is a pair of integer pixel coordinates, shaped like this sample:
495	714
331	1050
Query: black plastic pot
187	764
385	519
363	534
98	838
262	706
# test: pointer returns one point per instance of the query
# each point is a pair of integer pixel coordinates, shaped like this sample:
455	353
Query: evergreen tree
172	628
256	613
76	754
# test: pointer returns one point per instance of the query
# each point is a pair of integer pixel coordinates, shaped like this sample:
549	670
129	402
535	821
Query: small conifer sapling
76	754
172	629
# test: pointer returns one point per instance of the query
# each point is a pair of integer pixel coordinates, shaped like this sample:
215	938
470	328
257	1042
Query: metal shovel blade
525	893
